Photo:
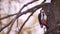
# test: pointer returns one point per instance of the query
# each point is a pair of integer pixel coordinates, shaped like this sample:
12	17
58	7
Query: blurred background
8	7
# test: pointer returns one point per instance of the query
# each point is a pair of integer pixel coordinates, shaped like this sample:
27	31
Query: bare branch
10	28
19	14
25	23
8	16
19	11
12	15
27	4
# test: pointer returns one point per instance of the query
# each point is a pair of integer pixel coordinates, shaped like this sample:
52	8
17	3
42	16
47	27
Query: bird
41	19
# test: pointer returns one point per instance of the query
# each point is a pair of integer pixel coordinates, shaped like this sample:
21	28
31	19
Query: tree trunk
53	17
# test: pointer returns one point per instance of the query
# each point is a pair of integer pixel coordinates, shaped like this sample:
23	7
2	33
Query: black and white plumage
42	19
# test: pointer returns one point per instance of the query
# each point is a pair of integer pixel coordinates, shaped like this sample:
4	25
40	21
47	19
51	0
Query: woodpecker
42	19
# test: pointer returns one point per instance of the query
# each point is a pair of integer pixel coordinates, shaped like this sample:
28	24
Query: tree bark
53	17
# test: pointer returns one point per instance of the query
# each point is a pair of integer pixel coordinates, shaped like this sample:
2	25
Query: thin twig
10	28
8	16
17	22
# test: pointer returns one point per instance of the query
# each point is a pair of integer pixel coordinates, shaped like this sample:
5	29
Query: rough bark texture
53	13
